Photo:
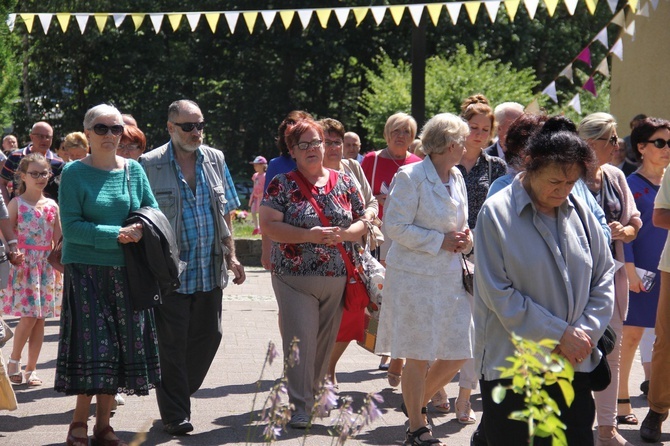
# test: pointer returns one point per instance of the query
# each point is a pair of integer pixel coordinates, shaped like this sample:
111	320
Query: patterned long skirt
105	347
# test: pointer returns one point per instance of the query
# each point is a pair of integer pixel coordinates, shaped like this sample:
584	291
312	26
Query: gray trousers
311	310
189	333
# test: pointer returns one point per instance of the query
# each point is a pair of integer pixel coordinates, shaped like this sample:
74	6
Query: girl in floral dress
34	286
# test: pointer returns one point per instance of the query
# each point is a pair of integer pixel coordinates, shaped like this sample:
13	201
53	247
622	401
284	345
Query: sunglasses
660	143
612	140
102	129
37	175
189	126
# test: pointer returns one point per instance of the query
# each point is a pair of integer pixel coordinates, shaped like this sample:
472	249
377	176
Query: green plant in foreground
534	367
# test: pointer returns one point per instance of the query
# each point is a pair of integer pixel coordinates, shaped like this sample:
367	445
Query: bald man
352	146
41	137
505	115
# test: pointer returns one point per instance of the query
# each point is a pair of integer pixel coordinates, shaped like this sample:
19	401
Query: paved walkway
222	408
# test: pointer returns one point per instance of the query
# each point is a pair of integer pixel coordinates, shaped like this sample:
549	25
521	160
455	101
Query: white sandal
464	413
32	379
14	371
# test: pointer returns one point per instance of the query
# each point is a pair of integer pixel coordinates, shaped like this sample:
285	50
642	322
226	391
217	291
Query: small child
34	287
260	166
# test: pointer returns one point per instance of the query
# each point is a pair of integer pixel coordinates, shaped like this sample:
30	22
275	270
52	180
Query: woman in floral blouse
308	271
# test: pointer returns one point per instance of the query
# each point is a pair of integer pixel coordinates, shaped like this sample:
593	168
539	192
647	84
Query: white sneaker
119	400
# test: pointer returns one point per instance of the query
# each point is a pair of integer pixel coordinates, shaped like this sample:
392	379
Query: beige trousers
659	384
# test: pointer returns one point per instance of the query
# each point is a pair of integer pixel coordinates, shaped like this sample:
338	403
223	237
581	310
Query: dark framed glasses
612	140
660	143
309	145
102	129
189	126
36	175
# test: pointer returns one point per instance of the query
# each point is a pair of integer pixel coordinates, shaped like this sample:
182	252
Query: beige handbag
373	237
7	396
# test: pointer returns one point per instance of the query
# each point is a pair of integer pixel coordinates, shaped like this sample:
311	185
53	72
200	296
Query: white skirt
425	317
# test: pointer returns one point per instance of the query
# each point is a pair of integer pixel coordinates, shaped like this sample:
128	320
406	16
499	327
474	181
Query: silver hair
503	110
94	113
596	125
442	130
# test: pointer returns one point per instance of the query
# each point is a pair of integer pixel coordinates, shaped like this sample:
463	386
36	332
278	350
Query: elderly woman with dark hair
535	229
426	219
610	189
308	270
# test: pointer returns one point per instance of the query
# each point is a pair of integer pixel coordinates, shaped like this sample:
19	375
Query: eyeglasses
189	126
102	129
660	143
36	175
309	145
41	136
612	140
130	147
328	143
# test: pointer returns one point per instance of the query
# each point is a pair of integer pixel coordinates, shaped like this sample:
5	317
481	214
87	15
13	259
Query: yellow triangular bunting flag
591	5
250	19
633	5
473	8
551	6
512	6
533	108
100	20
137	20
286	18
396	13
63	19
323	15
213	20
434	10
175	20
29	20
359	14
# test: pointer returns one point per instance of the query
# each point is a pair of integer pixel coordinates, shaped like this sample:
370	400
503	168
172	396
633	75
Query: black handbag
601	376
468	276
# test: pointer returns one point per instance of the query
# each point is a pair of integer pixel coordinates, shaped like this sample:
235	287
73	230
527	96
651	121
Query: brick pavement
221	409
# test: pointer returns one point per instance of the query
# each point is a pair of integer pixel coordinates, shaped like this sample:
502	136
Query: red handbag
356	293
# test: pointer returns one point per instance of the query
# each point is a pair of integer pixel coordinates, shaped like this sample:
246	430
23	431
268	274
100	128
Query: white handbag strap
374	170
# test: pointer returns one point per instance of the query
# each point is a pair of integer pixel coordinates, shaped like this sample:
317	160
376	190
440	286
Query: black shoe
644	387
178	427
478	438
650	431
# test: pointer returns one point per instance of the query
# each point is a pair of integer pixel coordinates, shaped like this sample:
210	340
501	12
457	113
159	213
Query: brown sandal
100	440
76	441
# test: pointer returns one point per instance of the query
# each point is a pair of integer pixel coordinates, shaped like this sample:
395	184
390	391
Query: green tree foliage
9	69
448	82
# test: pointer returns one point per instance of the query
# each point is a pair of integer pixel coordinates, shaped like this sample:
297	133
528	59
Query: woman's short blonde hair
398	121
75	139
596	125
442	130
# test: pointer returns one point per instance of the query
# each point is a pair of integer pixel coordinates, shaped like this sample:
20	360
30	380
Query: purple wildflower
272	353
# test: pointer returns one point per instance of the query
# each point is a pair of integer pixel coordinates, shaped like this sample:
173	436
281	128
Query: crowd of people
517	195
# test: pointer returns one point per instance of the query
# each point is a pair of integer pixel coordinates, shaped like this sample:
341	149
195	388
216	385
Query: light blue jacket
525	284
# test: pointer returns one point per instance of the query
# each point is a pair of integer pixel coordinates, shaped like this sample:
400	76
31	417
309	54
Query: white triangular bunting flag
492	8
378	13
45	20
602	38
454	8
603	68
82	20
231	20
644	11
617	49
156	20
118	19
268	17
571	5
11	21
193	18
612	4
630	29
551	91
415	11
531	6
574	103
654	4
567	72
305	15
342	14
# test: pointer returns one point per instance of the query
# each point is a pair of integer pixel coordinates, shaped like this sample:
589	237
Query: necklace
388	152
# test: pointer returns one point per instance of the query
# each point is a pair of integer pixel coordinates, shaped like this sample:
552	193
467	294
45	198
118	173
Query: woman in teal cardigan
105	347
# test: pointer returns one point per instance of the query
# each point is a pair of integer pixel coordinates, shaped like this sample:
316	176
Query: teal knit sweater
94	204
